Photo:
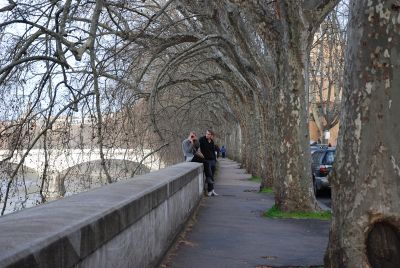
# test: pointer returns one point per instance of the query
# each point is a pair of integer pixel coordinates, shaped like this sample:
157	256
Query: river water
25	188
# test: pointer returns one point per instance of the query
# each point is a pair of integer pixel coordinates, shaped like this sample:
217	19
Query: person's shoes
214	193
210	193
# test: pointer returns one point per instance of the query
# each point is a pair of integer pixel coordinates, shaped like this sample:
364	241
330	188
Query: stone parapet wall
126	224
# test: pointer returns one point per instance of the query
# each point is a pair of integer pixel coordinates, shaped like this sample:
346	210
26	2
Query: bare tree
189	60
365	182
326	71
65	60
265	46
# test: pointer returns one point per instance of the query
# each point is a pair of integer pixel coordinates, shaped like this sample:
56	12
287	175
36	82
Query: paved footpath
229	230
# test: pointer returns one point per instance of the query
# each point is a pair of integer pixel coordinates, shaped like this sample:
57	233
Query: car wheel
316	192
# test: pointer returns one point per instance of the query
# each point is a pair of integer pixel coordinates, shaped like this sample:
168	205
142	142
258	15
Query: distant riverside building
73	120
315	132
87	120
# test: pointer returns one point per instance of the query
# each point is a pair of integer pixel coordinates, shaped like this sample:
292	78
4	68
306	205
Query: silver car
321	165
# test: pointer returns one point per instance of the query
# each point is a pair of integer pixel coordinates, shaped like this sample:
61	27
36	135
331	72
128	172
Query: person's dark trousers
210	176
223	155
210	180
213	166
207	171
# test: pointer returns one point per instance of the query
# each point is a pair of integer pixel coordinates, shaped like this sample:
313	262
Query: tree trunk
293	186
260	138
272	139
365	230
238	143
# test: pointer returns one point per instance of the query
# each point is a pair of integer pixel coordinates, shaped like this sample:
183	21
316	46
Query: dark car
317	146
321	164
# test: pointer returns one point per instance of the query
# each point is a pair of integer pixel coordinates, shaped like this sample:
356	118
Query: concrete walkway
229	231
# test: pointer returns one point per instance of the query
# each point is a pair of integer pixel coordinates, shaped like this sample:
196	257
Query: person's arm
196	145
187	147
184	147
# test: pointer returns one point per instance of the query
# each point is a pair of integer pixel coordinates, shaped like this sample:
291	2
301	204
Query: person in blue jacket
223	151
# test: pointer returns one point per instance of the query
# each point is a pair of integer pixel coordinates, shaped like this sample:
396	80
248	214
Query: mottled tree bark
261	142
293	188
365	230
271	148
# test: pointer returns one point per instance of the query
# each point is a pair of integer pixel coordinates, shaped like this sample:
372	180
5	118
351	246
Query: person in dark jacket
207	148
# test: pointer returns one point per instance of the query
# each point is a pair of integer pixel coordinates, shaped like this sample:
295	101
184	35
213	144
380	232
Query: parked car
321	164
316	146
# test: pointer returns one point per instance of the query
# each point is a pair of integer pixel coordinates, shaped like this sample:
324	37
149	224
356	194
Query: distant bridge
60	161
